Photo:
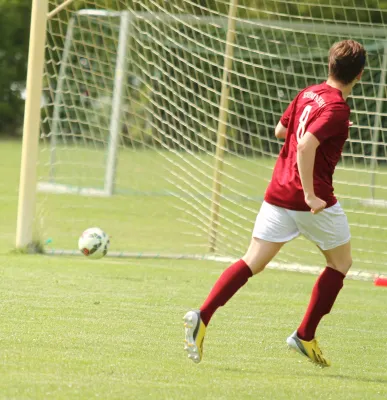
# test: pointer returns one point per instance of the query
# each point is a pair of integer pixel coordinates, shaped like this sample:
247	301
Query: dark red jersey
322	111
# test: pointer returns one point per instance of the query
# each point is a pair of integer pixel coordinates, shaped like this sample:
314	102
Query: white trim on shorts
327	229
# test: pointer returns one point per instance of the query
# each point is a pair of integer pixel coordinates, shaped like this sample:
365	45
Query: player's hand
315	203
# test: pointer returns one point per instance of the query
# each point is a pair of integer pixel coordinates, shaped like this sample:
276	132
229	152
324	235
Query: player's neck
345	89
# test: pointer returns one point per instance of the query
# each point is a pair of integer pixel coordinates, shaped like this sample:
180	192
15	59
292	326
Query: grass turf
156	204
73	328
111	329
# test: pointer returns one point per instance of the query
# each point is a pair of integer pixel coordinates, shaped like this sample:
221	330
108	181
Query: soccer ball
94	243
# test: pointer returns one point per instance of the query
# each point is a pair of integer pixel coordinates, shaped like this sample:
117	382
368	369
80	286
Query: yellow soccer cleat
195	330
308	349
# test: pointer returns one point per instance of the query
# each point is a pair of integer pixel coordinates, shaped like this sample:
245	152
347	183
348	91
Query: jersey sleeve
330	122
287	114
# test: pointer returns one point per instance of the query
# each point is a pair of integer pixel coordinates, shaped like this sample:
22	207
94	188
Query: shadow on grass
358	378
328	375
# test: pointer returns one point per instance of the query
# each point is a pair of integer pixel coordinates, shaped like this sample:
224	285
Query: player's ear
357	79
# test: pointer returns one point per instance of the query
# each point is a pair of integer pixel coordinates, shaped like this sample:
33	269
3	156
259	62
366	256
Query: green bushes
175	74
14	32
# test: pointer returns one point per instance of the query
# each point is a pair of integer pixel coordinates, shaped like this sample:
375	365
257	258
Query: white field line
307	269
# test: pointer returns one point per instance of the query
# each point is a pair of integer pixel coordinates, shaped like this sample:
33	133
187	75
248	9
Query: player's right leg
330	231
324	294
272	229
339	258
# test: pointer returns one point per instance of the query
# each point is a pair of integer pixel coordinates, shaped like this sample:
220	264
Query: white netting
171	76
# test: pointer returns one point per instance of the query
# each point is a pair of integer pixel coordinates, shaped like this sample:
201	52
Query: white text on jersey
316	97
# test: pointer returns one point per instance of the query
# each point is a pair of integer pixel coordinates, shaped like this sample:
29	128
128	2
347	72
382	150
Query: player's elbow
308	143
302	147
280	134
305	148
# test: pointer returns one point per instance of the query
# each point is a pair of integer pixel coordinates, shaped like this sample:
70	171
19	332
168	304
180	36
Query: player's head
346	61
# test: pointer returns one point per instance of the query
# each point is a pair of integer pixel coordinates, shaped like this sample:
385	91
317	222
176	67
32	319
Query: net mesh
171	77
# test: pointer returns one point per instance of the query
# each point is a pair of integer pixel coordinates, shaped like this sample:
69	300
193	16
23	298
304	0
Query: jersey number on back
302	122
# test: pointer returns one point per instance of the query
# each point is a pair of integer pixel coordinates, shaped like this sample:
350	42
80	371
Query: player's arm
306	154
280	131
282	126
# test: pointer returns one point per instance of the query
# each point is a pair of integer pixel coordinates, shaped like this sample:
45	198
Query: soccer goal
158	117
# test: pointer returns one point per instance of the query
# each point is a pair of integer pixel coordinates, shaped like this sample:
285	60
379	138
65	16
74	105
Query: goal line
154	121
290	267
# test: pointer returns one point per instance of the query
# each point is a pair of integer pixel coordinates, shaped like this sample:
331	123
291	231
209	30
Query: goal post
381	95
158	122
29	158
117	96
222	126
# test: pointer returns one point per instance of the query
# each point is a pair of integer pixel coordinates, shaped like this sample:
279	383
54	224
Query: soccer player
299	200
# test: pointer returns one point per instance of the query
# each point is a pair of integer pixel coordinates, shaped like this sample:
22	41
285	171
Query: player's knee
254	263
347	264
260	253
257	268
342	266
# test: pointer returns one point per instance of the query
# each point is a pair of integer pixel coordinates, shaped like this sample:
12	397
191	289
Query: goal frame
116	111
39	18
31	127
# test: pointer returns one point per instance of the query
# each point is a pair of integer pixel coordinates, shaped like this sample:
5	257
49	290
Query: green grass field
166	198
111	329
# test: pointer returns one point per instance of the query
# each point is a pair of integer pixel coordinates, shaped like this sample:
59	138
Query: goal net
158	119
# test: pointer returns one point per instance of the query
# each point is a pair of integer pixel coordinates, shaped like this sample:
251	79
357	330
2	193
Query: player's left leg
273	228
258	255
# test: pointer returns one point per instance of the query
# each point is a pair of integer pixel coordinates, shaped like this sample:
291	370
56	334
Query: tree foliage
14	34
15	16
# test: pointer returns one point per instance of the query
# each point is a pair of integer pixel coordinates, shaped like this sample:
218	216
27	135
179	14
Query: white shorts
327	229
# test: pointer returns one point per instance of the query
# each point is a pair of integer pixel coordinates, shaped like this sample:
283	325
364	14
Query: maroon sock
231	280
324	293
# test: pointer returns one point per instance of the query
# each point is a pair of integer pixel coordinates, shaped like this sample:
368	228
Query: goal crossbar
315	27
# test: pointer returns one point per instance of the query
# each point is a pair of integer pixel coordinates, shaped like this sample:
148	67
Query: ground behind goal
157	123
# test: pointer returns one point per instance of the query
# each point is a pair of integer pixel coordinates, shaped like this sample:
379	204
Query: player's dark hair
346	60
